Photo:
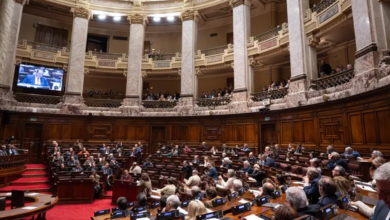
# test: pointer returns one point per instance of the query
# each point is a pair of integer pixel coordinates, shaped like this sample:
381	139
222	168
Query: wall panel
286	132
356	126
370	128
66	132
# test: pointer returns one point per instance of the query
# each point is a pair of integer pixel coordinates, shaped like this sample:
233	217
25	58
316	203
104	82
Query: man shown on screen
37	79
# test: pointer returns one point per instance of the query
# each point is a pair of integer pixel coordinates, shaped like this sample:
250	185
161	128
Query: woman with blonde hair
342	185
146	183
195	208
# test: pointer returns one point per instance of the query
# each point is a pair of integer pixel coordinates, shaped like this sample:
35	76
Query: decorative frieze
136	19
81	12
188	15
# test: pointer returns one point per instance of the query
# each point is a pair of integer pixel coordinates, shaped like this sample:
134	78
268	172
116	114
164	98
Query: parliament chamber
193	110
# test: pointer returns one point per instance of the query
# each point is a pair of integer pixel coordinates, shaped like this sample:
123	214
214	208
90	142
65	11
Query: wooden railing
271	94
103	103
333	80
268	35
12	161
215	50
44	47
323	5
40	99
212	102
159	104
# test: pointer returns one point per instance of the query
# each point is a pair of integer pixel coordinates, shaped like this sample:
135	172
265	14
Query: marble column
188	75
75	75
303	56
372	34
242	70
134	72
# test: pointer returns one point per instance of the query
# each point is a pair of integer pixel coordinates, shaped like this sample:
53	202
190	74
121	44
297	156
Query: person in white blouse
229	183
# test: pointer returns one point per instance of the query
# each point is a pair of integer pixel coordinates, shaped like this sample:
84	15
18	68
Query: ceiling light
157	19
102	17
117	18
170	18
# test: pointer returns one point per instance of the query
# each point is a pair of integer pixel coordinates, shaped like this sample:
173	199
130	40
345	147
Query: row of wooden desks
41	204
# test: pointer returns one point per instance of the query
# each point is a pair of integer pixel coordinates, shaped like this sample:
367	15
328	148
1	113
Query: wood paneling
286	132
383	119
356	126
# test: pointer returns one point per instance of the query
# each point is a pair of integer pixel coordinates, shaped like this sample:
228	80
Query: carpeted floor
26	187
32	179
35	166
78	211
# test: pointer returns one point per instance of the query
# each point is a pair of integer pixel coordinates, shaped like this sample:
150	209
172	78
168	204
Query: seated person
212	171
290	148
187	169
258	175
343	186
84	152
122	205
311	185
186	149
245	148
96	179
237	185
106	150
290	157
316	163
349	152
300	149
126	176
226	163
173	202
231	174
58	159
93	167
78	168
251	158
247	168
284	212
196	193
147	163
296	197
194	180
173	153
268	161
327	190
195	208
110	157
334	159
266	190
141	199
36	79
211	195
195	160
382	179
62	168
113	163
135	168
89	161
213	150
329	150
374	154
338	171
280	181
106	169
169	189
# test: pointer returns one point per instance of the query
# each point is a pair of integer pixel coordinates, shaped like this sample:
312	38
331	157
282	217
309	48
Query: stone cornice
188	15
136	19
235	3
81	12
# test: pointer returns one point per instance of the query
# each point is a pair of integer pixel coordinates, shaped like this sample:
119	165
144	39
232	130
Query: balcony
215	50
323	5
333	80
39	99
150	104
268	35
213	102
103	103
271	94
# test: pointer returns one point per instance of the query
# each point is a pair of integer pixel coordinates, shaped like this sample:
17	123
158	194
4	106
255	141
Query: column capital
188	15
235	3
136	19
312	40
22	2
81	12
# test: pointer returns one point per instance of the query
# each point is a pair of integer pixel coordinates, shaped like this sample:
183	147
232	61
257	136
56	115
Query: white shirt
37	81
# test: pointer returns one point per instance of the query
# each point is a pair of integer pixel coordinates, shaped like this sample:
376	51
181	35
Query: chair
17	199
285	167
304	170
296	169
355	169
282	157
303	159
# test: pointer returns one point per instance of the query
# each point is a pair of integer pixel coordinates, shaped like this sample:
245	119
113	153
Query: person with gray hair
329	150
247	169
226	163
374	154
173	202
229	183
212	171
310	186
338	171
349	152
334	159
251	158
237	185
194	180
296	197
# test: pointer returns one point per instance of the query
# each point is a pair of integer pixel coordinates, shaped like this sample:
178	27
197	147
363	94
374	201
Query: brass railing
44	47
323	5
40	99
159	104
269	34
107	56
333	80
103	103
212	102
215	50
271	94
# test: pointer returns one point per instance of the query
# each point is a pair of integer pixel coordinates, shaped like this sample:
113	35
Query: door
32	140
268	135
158	136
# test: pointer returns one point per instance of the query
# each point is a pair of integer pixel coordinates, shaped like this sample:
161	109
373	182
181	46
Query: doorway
158	136
32	141
268	135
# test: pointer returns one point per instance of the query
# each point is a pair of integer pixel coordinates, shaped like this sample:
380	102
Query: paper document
253	217
208	210
251	179
299	183
32	194
155	191
367	188
301	187
29	207
143	218
243	201
155	197
255	191
182	211
8	194
220	186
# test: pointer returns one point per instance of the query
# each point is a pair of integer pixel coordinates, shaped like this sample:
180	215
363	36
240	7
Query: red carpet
32	179
34	188
109	193
78	211
34	172
35	166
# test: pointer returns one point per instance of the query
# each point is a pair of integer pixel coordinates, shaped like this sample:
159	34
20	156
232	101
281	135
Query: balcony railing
333	80
323	5
213	102
44	47
215	50
268	35
159	104
103	103
107	56
271	94
40	99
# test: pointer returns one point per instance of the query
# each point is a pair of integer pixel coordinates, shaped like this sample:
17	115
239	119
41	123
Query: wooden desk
38	200
70	191
129	190
11	168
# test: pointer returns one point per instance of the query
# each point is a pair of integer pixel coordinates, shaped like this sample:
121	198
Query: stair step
30	181
34	174
32	188
36	169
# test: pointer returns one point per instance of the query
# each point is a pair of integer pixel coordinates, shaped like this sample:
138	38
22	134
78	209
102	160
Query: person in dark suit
382	178
251	158
147	163
268	161
187	169
93	167
258	175
311	185
296	197
195	160
106	169
107	151
247	169
122	205
37	79
334	159
62	168
226	163
327	189
78	168
212	172
325	69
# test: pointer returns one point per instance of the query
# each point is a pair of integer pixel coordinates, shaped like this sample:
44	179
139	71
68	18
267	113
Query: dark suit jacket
188	170
213	173
270	162
326	200
30	79
248	170
227	166
332	164
309	210
381	211
312	191
258	176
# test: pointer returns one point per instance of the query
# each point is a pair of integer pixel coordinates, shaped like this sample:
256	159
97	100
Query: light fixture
170	18
102	16
157	19
117	18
